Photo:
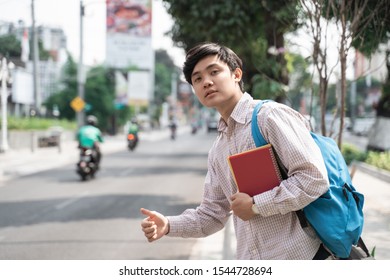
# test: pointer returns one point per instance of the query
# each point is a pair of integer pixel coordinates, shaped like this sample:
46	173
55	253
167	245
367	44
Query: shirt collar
240	111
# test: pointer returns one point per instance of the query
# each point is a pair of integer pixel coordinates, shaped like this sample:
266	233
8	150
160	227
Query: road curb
372	170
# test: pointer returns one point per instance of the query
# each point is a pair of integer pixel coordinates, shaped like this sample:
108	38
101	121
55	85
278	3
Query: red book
255	171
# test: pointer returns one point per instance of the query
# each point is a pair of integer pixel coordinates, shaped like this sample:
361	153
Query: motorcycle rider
173	127
89	136
132	134
133	128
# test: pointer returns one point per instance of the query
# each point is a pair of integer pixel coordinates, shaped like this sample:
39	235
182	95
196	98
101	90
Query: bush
15	123
351	153
379	159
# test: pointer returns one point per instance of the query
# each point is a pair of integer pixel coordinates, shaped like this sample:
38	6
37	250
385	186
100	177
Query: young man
266	225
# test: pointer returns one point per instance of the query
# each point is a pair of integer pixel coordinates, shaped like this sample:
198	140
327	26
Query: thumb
147	212
234	196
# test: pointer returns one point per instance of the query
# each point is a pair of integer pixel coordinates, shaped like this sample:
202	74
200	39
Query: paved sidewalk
14	163
20	162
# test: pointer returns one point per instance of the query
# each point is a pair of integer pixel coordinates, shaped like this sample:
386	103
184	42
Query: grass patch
38	123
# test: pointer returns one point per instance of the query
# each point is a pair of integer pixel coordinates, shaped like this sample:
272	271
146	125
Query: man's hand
241	204
155	225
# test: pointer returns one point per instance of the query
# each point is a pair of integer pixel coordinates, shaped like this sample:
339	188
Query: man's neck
226	109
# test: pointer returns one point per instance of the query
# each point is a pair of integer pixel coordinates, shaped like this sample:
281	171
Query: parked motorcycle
87	166
132	140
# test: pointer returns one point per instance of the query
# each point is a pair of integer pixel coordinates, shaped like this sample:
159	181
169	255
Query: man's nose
207	82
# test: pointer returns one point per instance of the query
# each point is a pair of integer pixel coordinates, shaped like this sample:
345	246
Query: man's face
214	83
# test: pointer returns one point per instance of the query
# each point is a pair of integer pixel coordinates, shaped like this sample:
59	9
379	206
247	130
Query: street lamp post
4	77
80	70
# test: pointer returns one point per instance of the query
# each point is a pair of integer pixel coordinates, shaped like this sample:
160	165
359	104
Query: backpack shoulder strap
256	134
260	141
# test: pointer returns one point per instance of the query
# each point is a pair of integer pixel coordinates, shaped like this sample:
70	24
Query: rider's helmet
134	120
92	120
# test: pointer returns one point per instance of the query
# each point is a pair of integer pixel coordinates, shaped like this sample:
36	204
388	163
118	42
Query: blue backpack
337	215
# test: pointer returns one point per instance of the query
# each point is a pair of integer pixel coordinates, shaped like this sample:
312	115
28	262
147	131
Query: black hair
203	50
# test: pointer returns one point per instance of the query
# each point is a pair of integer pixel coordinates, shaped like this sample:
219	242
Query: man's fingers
149	229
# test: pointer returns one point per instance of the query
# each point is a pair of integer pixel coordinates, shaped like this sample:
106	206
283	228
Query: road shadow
99	207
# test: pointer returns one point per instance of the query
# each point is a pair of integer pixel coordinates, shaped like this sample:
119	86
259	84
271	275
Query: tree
352	19
377	32
163	73
10	46
313	12
251	28
300	79
67	93
100	97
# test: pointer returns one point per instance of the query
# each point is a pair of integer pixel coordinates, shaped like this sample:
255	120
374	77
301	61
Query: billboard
132	88
138	89
129	34
22	87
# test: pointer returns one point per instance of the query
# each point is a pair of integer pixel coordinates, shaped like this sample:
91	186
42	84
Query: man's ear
237	74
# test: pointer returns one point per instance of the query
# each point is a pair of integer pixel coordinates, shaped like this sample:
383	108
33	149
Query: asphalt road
53	215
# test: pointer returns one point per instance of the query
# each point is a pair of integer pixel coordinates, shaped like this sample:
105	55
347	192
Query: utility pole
80	70
37	95
174	88
4	78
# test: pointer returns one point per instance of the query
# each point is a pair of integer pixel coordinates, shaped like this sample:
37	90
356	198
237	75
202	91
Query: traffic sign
77	104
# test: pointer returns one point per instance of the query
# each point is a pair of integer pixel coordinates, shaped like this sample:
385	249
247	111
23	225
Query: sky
65	14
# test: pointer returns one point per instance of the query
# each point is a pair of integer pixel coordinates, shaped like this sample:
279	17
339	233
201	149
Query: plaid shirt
276	233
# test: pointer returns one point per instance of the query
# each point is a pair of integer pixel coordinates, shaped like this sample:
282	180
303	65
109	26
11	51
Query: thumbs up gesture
155	225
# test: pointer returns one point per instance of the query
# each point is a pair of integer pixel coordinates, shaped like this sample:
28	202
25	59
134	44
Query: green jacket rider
89	136
133	128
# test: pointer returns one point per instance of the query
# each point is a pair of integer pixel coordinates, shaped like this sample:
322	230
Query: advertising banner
22	89
138	88
129	34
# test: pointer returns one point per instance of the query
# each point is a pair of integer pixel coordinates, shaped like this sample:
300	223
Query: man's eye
197	79
214	72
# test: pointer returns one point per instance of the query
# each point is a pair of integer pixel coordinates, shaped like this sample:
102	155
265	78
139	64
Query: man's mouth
209	92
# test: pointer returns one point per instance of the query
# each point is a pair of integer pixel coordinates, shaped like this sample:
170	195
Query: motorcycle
87	166
132	141
194	128
173	127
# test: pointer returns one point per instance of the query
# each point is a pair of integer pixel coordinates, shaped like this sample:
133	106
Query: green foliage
373	251
100	95
63	97
352	153
297	67
15	123
248	27
379	159
264	88
162	76
374	31
10	46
